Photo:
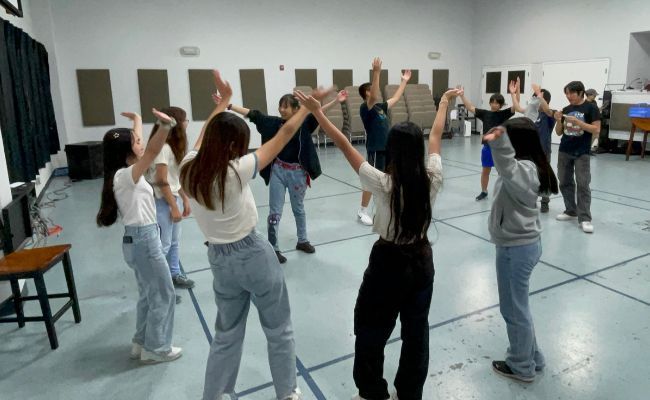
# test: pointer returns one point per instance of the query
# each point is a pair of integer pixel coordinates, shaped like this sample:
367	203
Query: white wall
125	35
519	32
639	59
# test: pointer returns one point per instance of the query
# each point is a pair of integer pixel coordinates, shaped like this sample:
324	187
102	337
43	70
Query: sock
364	209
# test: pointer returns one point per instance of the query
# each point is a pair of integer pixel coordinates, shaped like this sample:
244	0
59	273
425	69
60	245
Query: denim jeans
514	266
398	281
296	182
155	311
567	164
245	271
170	233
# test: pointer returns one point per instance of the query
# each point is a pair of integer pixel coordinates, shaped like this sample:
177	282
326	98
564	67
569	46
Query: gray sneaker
182	282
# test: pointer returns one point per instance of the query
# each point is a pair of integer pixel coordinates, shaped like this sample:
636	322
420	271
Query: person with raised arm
215	175
292	170
399	278
127	195
495	116
374	115
515	230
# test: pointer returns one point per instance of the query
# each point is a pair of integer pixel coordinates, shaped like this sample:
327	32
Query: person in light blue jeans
172	205
515	229
216	175
127	195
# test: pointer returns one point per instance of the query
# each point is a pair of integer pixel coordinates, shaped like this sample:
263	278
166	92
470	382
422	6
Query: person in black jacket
293	169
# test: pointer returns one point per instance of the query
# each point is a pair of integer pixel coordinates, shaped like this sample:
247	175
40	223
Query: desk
642	124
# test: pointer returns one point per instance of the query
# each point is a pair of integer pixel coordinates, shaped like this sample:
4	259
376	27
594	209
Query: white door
555	75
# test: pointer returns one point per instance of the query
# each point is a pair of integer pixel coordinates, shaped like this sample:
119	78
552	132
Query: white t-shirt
166	157
135	201
379	183
240	213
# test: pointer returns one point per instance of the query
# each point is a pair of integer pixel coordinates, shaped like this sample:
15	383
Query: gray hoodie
514	219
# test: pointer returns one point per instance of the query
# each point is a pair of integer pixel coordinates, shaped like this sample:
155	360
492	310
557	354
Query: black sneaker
501	368
544	208
182	282
306	247
282	259
481	196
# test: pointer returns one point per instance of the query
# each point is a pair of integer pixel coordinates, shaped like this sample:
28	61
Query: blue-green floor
590	297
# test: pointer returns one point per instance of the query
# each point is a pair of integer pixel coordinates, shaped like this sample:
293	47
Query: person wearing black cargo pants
398	281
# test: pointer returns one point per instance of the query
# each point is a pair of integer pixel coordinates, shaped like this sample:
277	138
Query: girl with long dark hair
524	174
216	175
399	277
128	195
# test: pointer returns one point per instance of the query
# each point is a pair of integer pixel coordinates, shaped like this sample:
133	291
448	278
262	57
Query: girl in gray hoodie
524	174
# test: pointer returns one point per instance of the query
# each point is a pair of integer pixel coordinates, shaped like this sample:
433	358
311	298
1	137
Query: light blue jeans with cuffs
155	310
515	265
244	271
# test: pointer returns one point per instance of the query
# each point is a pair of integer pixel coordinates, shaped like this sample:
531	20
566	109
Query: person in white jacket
524	174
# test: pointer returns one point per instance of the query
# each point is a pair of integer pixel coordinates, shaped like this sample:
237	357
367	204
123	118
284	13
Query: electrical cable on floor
43	227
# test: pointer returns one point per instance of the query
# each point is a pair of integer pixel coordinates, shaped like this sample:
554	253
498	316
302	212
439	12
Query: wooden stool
32	264
642	124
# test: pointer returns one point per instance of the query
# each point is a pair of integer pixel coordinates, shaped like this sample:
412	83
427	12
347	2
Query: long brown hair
226	138
118	147
177	138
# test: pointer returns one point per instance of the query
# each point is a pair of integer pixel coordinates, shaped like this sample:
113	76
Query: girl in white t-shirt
172	205
399	277
128	195
215	176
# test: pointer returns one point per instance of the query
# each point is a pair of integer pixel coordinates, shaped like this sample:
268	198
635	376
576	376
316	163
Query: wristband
164	124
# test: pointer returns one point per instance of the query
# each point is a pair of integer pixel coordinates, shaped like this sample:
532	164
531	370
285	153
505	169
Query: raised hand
131	115
536	88
406	75
309	102
162	116
512	87
223	87
461	90
216	98
451	93
342	96
376	64
493	134
320	93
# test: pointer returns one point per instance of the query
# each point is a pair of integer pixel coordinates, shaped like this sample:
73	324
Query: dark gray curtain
27	120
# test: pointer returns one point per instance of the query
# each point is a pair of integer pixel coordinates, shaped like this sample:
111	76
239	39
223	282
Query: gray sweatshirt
514	219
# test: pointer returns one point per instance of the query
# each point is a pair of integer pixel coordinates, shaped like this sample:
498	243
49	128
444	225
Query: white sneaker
565	217
295	395
587	227
147	357
136	350
364	218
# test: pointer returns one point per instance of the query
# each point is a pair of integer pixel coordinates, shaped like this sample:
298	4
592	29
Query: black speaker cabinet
85	160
